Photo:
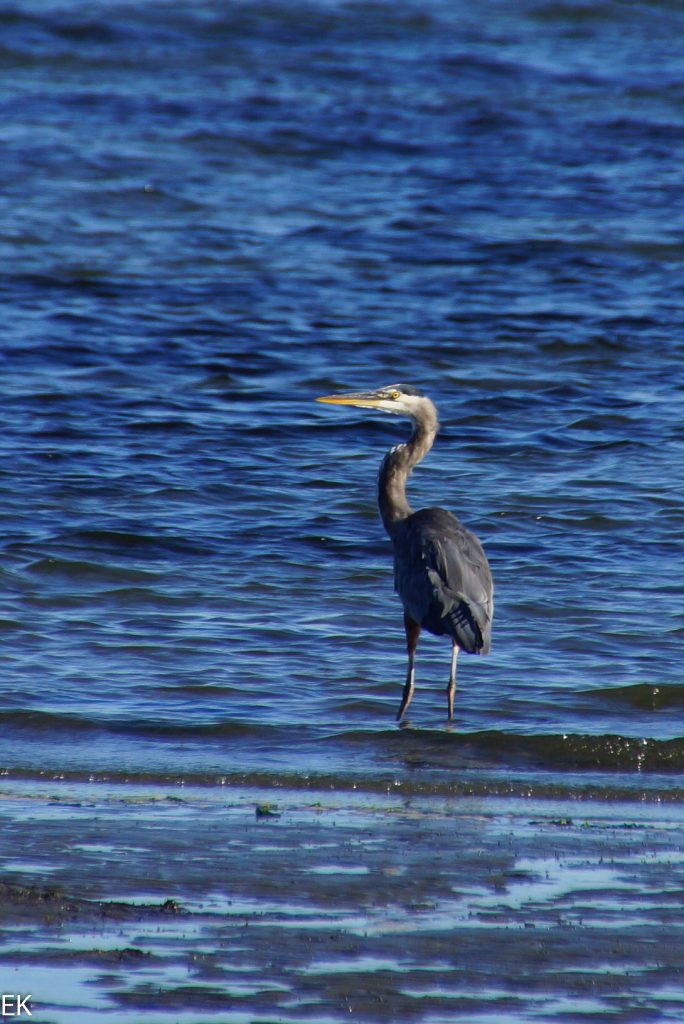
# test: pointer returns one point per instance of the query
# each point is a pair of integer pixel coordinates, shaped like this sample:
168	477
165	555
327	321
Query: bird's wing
443	578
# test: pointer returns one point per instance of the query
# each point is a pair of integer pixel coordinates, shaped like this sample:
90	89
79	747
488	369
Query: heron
441	572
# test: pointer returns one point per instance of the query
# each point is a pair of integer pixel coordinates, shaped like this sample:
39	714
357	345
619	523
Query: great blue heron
441	571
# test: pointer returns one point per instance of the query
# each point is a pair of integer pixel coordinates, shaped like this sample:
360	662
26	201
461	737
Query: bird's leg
412	633
451	686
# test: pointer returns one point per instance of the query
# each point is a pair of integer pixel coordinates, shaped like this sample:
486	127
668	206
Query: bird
441	572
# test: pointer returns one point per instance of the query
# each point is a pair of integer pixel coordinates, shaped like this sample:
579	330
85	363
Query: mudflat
232	903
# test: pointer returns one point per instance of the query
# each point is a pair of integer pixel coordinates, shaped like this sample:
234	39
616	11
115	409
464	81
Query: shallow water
213	213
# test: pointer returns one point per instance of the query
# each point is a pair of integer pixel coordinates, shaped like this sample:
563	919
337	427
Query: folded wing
443	578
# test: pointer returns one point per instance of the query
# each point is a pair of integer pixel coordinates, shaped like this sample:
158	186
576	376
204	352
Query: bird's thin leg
412	633
451	686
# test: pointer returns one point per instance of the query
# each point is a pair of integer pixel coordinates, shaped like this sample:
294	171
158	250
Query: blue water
212	213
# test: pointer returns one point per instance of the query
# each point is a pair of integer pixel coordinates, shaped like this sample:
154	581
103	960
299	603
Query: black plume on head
408	389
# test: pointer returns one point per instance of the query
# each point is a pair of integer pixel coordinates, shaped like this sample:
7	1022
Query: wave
446	750
582	751
47	721
537	751
643	696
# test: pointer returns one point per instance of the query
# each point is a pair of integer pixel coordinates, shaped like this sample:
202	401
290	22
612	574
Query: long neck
396	467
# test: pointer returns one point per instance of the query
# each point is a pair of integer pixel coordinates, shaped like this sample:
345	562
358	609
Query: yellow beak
361	399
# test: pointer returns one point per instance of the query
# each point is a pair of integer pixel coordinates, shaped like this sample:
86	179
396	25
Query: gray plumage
443	579
441	571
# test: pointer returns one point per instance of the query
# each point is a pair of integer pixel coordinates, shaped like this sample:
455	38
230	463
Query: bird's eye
394	395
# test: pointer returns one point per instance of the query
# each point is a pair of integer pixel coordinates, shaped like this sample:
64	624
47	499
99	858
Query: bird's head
400	399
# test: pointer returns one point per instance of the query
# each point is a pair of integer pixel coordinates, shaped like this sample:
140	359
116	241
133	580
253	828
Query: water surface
213	213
